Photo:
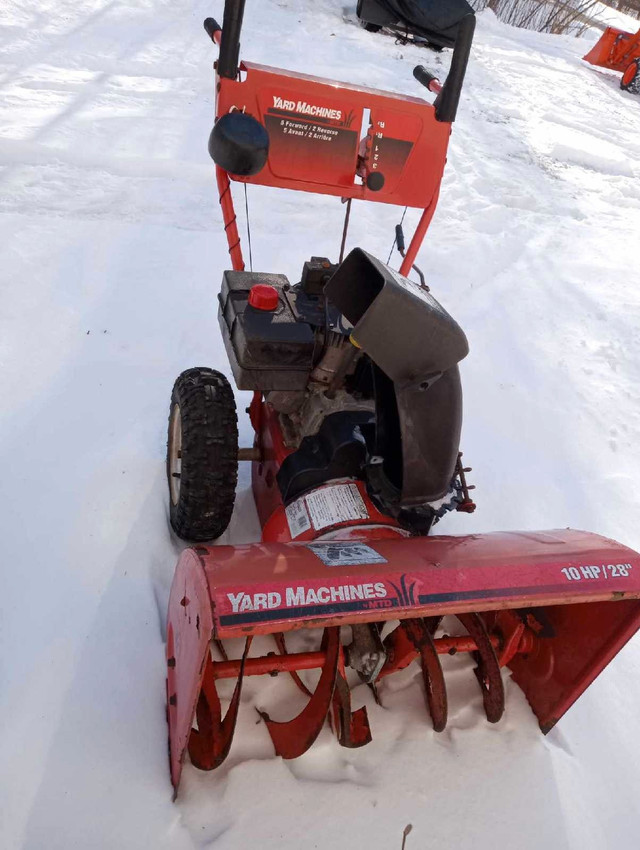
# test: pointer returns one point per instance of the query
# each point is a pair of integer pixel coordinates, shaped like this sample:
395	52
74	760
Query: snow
611	17
112	254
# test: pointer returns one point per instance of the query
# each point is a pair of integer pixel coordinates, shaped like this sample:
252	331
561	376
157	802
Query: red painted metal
229	219
268	664
290	662
530	586
273	450
209	744
276	528
189	629
488	669
579	642
351	728
315	145
417	633
413	577
282	649
520	595
315	129
615	49
292	738
629	73
418	237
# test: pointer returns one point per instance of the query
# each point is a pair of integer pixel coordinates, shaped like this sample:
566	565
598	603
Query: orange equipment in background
619	51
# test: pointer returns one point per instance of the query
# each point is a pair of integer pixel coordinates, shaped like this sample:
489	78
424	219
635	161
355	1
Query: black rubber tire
209	455
632	85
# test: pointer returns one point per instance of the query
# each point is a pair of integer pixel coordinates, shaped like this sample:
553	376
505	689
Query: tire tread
209	472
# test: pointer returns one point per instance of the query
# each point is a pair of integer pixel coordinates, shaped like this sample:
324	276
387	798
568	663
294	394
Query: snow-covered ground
614	18
112	253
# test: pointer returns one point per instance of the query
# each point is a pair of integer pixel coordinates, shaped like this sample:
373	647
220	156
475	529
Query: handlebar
448	94
446	102
230	41
427	79
213	29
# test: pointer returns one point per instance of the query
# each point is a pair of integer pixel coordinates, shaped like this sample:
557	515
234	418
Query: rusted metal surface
467	505
488	669
351	727
209	744
418	633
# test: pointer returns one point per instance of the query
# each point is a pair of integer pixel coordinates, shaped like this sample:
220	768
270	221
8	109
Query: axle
272	663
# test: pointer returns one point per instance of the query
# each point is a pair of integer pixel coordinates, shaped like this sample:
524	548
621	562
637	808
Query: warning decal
341	553
298	518
335	504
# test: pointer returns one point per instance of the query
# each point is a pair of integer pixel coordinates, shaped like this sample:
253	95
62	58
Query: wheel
630	80
202	454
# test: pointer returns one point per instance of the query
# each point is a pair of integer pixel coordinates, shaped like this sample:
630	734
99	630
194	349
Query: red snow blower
619	51
357	414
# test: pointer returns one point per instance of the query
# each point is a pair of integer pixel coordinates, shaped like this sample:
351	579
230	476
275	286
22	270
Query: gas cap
263	297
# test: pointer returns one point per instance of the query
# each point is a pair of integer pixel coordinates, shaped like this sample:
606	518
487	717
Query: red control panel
336	139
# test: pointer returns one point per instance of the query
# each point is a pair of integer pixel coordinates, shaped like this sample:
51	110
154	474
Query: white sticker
343	554
298	518
338	503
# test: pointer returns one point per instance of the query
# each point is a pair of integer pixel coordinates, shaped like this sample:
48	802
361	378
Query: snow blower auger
356	410
619	51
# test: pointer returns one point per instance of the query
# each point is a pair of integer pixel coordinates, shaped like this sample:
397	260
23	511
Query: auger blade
417	631
292	738
351	727
488	669
209	744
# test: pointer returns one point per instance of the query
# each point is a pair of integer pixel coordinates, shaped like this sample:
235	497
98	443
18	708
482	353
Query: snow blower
432	23
619	51
356	409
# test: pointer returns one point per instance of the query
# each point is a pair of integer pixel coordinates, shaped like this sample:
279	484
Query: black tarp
426	17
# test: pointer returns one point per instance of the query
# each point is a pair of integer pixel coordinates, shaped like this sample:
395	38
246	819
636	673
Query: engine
361	365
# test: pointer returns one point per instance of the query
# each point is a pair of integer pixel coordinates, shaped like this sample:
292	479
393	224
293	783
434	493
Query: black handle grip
424	77
230	41
446	103
400	238
211	27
